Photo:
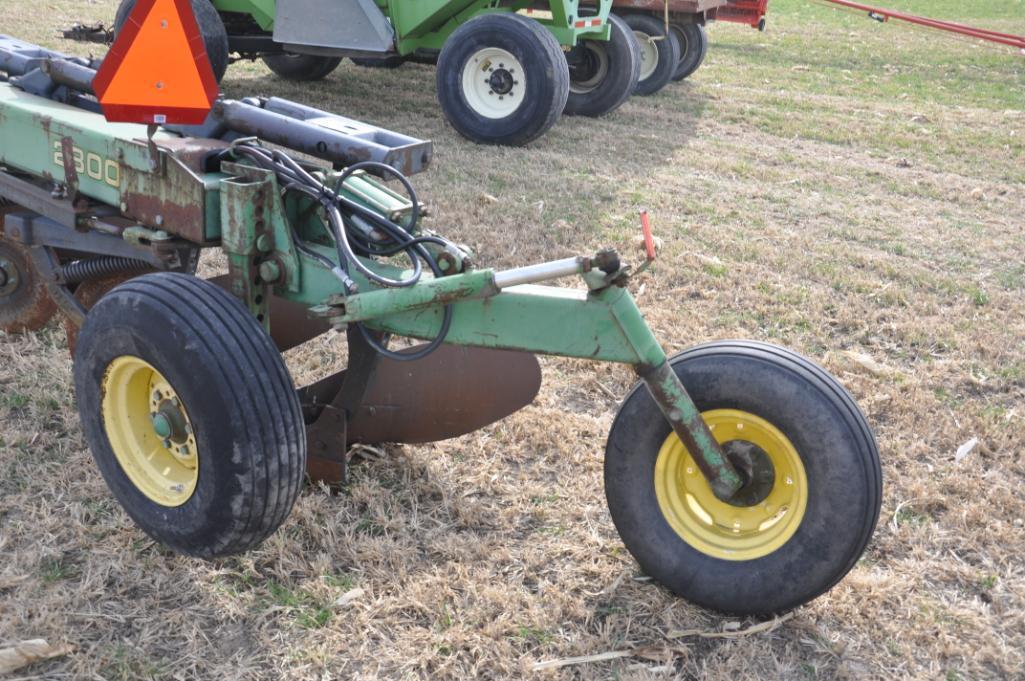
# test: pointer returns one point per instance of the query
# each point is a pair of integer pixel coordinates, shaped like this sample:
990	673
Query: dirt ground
848	189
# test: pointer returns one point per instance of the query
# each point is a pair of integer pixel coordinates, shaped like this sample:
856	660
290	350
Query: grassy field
849	189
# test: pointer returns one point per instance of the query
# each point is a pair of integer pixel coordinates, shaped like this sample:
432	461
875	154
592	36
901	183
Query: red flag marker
157	70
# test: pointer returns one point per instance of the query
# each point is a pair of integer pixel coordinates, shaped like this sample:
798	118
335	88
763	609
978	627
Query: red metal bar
1017	41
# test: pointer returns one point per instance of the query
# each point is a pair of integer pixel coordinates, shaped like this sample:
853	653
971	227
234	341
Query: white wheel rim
494	83
597	48
649	54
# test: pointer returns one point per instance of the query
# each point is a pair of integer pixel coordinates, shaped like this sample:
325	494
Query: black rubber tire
390	62
301	67
215	37
667	46
546	76
620	79
25	304
693	41
832	438
239	396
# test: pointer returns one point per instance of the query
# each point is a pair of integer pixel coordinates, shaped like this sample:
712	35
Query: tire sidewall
543	91
832	532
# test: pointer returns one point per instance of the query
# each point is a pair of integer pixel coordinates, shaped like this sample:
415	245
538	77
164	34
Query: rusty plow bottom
453	391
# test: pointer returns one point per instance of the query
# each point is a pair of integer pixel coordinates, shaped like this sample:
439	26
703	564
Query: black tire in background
215	37
491	102
667	48
693	41
603	73
828	432
301	67
244	414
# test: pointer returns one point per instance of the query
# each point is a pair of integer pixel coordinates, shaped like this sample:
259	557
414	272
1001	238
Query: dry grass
832	185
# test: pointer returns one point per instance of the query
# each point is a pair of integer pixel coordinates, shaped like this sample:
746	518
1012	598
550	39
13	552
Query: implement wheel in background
215	37
502	79
190	414
603	73
660	53
693	41
301	67
25	304
813	482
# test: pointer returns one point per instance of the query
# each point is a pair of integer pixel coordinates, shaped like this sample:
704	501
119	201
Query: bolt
183	451
675	414
159	220
160	85
167	443
264	243
161	426
270	271
179	488
156	395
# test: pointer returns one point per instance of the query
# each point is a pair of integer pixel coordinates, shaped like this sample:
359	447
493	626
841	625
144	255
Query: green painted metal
257	229
34	134
261	10
427	24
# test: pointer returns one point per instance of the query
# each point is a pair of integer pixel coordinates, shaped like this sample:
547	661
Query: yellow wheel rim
150	431
719	529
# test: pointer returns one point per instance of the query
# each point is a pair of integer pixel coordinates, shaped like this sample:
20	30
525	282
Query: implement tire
190	414
502	79
812	493
603	73
693	41
660	53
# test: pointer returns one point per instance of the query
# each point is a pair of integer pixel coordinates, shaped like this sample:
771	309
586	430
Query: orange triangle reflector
157	70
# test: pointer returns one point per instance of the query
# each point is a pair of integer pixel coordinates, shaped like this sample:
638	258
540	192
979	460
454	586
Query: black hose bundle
342	216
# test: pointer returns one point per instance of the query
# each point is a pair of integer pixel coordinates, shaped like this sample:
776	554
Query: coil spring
94	268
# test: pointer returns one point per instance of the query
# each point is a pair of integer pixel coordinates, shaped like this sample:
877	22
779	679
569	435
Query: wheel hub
149	431
501	81
9	278
755	469
762	516
589	66
493	83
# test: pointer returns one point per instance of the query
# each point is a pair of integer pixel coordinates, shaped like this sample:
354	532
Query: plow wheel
25	304
812	482
88	294
190	414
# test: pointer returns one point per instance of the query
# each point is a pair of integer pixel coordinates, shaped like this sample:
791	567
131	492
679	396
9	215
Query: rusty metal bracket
327	435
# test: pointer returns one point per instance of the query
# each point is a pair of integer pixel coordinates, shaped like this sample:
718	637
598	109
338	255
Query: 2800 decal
93	165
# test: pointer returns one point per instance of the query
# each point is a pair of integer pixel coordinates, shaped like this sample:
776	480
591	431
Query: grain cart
502	77
739	474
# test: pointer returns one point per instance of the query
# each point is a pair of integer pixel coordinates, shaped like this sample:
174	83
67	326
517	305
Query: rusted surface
174	201
88	293
453	391
290	323
70	174
25	303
